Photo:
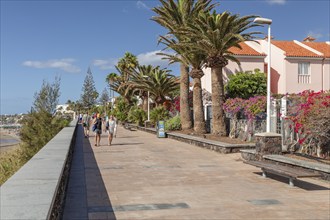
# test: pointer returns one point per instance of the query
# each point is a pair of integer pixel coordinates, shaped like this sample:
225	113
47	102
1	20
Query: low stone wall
37	190
200	142
246	129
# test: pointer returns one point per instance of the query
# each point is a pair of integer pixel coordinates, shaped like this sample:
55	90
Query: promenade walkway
144	177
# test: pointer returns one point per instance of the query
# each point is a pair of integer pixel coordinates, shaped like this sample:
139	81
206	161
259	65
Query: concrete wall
36	190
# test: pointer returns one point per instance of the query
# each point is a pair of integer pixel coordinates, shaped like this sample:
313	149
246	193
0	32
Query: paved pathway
144	177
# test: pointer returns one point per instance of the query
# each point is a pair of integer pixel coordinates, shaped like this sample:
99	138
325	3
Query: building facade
295	66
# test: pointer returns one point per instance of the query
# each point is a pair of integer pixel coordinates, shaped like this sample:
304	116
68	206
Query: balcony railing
304	79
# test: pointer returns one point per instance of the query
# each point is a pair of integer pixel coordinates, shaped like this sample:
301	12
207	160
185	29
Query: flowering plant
310	113
175	107
234	106
250	108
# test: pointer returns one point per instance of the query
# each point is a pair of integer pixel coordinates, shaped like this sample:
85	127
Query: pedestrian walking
111	127
98	129
86	124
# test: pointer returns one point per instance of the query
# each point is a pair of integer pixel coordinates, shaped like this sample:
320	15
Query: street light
148	107
147	77
268	22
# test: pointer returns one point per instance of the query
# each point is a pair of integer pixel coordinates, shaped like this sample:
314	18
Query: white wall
326	74
246	64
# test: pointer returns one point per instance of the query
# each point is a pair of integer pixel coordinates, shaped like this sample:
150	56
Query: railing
37	190
304	79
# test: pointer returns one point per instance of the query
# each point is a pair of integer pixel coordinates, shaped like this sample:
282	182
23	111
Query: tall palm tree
214	34
196	59
111	78
119	81
174	15
127	64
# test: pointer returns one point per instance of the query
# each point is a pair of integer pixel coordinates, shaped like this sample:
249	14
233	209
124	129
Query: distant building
63	109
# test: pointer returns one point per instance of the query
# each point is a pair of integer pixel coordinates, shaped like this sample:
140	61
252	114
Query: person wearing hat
98	129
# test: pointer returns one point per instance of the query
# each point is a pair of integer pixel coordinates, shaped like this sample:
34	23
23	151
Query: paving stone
156	178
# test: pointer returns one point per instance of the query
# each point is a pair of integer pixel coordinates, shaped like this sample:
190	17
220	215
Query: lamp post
148	107
268	22
147	77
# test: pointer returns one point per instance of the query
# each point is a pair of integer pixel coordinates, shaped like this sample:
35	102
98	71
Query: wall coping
306	164
31	192
216	143
267	134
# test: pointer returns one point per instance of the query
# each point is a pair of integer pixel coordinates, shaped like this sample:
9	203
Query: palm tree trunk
185	116
218	99
199	120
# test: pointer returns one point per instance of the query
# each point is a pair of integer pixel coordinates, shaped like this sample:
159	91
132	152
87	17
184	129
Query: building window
304	73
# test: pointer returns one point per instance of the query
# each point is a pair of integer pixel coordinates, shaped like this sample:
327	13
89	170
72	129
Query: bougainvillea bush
310	113
251	109
175	107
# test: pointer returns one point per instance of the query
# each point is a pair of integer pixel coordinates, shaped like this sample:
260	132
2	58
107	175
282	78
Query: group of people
109	125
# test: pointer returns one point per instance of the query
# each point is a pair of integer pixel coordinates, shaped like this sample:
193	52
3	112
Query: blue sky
42	39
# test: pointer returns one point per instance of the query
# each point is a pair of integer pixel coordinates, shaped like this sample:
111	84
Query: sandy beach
8	141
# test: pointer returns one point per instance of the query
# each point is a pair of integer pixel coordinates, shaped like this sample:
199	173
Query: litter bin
161	129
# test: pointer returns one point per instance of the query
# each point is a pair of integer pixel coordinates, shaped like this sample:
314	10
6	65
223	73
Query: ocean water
8	141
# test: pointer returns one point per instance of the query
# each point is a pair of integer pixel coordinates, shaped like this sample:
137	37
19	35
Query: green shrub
173	124
37	130
247	84
159	113
137	115
121	110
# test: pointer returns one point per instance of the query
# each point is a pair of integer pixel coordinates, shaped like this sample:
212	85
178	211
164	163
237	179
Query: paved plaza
144	177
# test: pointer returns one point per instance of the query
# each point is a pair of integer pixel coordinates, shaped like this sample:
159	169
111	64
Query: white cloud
316	34
147	58
151	58
63	64
105	64
141	4
276	2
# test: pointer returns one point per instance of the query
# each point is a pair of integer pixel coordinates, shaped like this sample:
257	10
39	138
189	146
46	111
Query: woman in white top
111	127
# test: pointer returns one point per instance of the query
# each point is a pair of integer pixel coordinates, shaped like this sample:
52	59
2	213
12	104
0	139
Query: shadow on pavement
86	188
127	144
298	183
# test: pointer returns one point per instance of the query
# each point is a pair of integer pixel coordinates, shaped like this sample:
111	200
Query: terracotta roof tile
320	46
246	50
292	49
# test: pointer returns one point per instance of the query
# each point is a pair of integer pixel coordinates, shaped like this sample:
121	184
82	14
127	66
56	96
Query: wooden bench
281	170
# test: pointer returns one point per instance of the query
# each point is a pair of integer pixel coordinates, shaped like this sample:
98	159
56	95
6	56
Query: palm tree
214	34
174	15
158	82
119	81
196	60
111	78
142	71
127	64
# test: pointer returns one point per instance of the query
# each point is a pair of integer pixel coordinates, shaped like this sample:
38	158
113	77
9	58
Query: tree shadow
86	195
297	183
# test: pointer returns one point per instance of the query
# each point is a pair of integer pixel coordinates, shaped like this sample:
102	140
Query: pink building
295	66
249	58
